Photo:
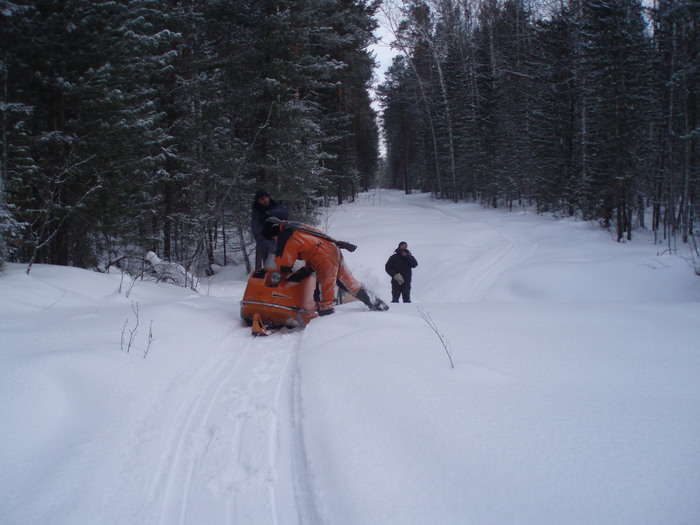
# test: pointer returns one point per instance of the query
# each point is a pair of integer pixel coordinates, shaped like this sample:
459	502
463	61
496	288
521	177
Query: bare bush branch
443	340
132	333
150	339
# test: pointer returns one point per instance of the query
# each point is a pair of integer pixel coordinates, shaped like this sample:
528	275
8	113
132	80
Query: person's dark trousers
259	257
397	290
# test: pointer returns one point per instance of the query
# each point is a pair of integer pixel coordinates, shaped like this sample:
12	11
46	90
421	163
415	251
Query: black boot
372	302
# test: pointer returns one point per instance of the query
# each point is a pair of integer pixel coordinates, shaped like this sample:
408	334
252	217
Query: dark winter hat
402	242
260	194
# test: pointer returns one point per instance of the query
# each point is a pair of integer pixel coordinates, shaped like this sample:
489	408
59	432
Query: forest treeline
587	108
132	125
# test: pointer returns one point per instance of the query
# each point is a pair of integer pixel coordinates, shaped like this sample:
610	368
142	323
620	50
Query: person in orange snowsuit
323	257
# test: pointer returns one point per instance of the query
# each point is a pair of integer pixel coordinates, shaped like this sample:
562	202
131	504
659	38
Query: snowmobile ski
258	327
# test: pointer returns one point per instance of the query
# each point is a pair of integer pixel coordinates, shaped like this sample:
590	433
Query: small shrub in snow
445	343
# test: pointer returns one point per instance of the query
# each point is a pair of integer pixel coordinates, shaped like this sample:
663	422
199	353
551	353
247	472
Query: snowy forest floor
573	398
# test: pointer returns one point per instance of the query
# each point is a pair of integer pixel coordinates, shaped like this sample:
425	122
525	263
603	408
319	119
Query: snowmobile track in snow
516	247
226	457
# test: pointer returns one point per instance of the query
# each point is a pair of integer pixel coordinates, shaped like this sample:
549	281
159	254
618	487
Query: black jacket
257	221
402	264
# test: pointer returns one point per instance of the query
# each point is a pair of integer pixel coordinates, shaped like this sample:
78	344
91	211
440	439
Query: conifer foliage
583	107
130	126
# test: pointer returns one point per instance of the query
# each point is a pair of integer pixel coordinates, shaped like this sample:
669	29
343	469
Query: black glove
299	275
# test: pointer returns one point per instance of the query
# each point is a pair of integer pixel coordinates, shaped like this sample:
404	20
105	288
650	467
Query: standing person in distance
264	207
400	268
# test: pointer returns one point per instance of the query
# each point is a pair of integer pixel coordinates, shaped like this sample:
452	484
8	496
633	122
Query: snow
573	398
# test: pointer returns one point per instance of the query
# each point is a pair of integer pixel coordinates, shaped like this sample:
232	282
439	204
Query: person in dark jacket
264	207
400	268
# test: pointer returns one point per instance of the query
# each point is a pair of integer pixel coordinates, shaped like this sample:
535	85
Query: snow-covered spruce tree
339	33
474	72
504	41
91	129
273	74
242	116
13	131
676	187
615	64
462	91
410	100
142	44
150	124
556	131
589	110
189	94
404	123
426	48
24	99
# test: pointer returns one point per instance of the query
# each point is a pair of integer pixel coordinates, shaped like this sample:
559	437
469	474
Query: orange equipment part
270	300
326	260
259	327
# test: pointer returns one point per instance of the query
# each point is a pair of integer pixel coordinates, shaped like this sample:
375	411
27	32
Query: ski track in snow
517	247
233	450
231	438
222	442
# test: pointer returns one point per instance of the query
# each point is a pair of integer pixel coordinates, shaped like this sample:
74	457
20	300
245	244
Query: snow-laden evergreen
573	398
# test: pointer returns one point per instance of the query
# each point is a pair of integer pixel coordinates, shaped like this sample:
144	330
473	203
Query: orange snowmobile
278	296
271	300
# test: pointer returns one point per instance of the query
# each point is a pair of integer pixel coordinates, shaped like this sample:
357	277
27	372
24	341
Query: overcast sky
382	49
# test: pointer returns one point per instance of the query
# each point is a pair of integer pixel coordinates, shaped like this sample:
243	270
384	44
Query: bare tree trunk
450	134
240	228
448	114
223	238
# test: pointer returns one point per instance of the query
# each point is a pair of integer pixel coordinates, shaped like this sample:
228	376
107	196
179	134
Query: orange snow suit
324	258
